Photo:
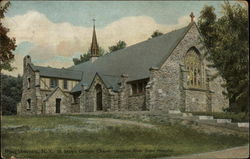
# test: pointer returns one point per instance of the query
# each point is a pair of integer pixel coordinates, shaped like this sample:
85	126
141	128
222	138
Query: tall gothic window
194	67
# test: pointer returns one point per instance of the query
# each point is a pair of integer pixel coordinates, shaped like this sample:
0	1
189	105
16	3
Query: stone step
224	120
243	125
204	117
174	112
208	121
187	114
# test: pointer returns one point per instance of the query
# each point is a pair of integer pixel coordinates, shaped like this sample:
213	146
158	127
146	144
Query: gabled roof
58	73
53	92
134	60
109	81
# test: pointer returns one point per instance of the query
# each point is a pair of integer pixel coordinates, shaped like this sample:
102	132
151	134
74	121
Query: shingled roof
58	73
135	60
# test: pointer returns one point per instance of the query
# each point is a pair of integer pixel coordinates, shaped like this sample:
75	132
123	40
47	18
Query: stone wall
28	92
167	90
218	100
136	102
196	100
88	97
50	103
75	108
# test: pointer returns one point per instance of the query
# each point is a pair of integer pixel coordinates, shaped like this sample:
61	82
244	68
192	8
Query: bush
11	93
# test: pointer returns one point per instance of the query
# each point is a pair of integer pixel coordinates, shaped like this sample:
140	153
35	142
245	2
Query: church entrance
58	105
98	89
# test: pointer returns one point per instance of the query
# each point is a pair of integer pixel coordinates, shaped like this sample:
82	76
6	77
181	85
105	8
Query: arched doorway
98	89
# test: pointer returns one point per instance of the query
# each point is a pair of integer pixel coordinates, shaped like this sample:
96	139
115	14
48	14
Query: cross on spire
192	16
93	21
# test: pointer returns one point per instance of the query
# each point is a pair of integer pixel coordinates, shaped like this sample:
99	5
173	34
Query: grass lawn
81	137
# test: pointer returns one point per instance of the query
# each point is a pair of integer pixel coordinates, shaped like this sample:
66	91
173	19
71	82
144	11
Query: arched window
193	65
98	89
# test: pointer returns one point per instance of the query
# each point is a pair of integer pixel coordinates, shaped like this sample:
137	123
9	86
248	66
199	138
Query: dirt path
237	152
121	122
113	122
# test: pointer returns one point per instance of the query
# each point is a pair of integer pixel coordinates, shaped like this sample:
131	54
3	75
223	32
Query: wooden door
58	105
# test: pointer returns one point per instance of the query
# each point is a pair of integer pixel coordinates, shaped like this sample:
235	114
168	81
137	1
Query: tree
85	57
119	45
7	45
155	34
206	25
227	41
12	93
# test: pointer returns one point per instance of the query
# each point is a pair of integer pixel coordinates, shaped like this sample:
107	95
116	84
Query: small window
28	85
134	88
28	104
53	83
140	87
65	84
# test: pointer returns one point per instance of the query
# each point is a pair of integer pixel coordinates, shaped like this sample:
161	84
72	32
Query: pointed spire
94	45
192	17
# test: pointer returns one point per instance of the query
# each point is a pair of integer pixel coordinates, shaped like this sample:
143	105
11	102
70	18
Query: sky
55	32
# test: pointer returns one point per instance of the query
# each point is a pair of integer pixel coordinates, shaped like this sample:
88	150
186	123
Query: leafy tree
155	34
7	45
119	45
12	93
227	41
206	25
85	57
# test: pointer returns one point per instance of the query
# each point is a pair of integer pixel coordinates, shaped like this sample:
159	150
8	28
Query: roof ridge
187	28
108	75
141	42
66	69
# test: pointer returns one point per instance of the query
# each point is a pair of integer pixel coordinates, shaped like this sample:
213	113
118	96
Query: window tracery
193	65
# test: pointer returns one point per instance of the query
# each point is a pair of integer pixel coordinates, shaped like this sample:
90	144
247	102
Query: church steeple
94	50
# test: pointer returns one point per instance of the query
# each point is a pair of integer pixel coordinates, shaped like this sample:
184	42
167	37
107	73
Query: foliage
86	56
12	93
7	45
226	38
118	141
119	45
236	117
155	34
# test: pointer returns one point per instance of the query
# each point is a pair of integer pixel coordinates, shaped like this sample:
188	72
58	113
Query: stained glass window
194	66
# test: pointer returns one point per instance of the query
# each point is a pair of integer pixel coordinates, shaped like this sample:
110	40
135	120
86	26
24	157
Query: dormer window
53	83
65	84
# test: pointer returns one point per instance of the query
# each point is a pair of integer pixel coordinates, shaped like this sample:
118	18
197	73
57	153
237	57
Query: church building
168	72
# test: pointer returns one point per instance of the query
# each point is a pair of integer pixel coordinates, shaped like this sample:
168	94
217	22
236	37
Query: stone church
168	72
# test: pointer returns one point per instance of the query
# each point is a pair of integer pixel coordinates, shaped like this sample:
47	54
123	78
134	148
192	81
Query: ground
236	152
105	136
